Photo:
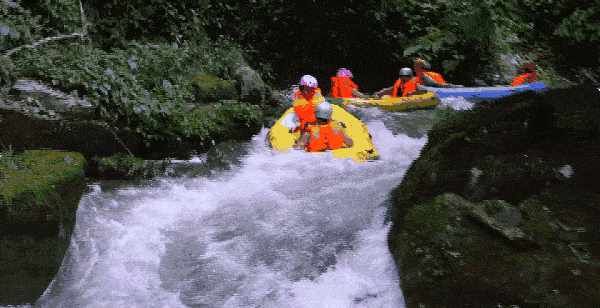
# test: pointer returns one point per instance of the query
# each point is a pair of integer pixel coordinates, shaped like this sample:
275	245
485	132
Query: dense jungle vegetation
137	59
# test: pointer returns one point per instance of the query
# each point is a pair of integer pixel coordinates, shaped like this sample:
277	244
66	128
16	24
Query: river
246	228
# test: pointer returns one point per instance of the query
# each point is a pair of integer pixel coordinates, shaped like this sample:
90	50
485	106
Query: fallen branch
120	141
590	76
44	41
84	32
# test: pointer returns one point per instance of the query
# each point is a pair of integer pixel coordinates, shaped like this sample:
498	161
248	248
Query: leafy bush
18	25
146	88
117	22
222	120
56	16
210	88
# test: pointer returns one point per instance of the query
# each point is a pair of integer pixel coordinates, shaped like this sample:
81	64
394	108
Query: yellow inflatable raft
420	101
281	138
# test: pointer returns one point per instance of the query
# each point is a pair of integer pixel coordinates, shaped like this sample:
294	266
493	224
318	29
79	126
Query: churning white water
275	230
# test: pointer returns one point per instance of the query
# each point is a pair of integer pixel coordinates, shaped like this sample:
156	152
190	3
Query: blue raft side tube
485	92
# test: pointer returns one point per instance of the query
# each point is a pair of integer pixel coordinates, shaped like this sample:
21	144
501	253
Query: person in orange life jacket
528	75
404	86
342	85
308	96
426	77
324	135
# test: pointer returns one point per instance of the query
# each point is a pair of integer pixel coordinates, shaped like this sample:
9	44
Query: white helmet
405	71
324	111
309	81
344	72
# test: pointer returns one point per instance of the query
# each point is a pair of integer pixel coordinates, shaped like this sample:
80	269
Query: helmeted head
308	86
405	72
344	72
309	81
422	64
323	111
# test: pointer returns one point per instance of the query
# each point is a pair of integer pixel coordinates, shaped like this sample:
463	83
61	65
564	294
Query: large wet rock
503	208
38	100
36	115
209	88
39	194
252	87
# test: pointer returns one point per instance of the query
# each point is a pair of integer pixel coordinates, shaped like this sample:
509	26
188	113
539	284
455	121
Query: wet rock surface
251	85
35	115
38	100
39	194
502	207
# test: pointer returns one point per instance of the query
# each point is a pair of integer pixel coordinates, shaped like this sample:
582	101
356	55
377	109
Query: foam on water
456	103
280	230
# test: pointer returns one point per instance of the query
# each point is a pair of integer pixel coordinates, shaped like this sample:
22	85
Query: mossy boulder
502	207
30	184
209	88
124	166
252	87
39	194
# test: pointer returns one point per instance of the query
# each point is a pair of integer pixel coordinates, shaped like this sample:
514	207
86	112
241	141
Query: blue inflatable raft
484	92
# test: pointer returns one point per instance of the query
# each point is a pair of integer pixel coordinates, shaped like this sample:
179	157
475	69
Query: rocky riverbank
40	189
39	194
502	207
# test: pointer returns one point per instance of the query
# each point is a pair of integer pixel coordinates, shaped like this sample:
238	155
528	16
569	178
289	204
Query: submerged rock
502	207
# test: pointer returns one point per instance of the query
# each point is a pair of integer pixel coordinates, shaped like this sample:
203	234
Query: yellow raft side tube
420	101
362	149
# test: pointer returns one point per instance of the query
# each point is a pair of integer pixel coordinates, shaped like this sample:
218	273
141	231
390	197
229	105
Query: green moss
537	220
123	166
428	219
229	119
36	174
209	88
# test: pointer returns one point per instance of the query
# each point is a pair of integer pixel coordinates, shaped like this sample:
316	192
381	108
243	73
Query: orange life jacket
404	88
524	78
323	137
433	75
305	109
342	87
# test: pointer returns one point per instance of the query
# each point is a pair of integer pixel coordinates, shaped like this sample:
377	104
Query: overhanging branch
44	41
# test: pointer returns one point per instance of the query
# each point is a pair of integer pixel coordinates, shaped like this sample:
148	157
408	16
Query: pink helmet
344	72
309	81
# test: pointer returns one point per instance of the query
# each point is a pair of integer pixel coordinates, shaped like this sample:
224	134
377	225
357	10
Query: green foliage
455	35
210	88
57	16
582	26
124	166
117	22
18	25
146	88
225	119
